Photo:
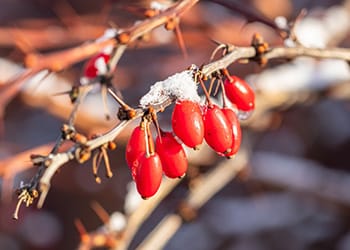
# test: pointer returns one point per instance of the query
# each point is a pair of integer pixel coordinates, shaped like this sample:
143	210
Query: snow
101	66
180	86
108	34
117	222
159	6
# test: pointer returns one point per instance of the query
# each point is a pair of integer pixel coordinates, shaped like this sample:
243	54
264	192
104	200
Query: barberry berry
239	93
187	123
172	155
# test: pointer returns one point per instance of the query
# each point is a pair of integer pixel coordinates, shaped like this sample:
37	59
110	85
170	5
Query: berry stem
224	104
180	40
227	74
96	161
212	81
149	140
205	91
109	172
156	123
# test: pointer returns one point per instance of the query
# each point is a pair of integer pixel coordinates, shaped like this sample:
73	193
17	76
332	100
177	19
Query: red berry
218	132
240	93
135	148
97	65
172	155
187	123
149	175
236	131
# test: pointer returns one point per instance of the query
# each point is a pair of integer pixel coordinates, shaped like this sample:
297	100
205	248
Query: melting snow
180	86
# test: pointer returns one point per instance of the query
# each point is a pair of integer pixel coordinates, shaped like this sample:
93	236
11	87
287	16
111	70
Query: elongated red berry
236	131
135	148
187	123
97	65
218	131
172	155
149	175
240	93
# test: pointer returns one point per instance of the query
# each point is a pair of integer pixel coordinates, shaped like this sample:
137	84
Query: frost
180	86
281	22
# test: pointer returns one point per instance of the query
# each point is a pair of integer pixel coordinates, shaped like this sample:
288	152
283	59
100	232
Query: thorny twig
54	161
234	54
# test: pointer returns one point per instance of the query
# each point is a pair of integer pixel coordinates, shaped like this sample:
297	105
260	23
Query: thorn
62	93
100	212
118	99
180	40
219	47
40	81
216	42
73	93
80	227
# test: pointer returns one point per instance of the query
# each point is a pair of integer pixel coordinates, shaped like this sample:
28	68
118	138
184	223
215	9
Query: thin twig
236	54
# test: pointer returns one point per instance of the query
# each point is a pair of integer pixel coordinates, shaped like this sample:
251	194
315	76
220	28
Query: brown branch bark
61	60
237	53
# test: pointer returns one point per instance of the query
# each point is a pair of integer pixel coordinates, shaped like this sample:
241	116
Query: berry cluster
191	123
147	164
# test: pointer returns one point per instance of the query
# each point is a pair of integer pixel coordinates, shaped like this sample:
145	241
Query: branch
234	54
239	53
60	60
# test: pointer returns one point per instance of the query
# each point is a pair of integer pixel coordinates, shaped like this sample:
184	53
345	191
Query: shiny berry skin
135	148
218	131
96	66
149	175
187	123
236	131
240	93
172	155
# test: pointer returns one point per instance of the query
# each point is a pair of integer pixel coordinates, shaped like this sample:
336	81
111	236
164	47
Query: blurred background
294	192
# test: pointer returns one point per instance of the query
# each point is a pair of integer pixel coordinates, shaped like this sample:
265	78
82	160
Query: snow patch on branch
180	86
155	5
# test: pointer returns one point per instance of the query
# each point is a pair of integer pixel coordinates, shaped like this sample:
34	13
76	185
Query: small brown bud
171	24
112	145
150	13
123	38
